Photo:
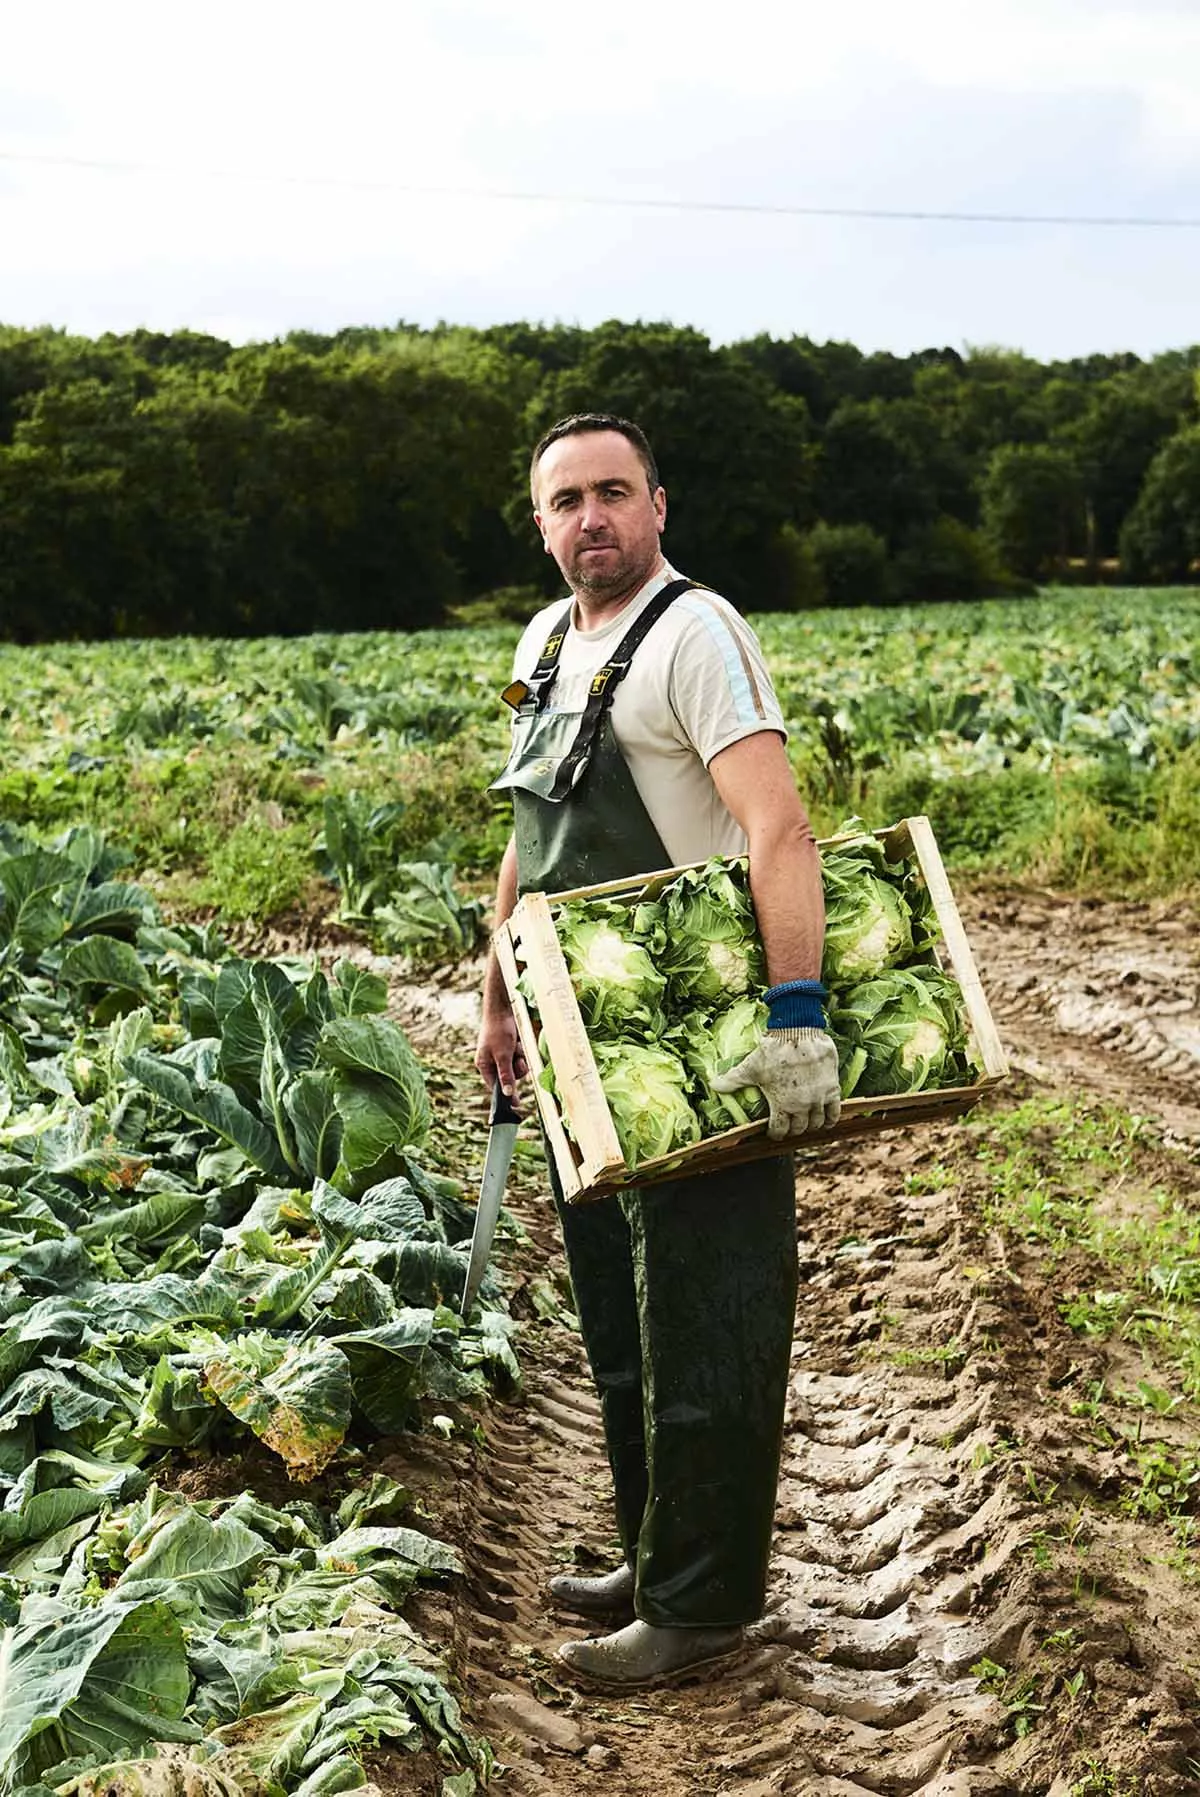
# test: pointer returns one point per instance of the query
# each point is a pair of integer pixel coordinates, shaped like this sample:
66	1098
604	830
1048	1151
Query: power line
629	202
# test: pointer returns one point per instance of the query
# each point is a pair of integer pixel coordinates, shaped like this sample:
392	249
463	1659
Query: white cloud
1025	105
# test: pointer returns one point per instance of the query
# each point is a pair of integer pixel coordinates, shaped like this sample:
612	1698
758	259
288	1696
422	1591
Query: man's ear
537	518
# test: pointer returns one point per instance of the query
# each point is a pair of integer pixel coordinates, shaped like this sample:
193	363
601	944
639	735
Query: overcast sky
271	161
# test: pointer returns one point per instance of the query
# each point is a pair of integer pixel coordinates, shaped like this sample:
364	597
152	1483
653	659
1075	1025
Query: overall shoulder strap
605	682
530	695
547	662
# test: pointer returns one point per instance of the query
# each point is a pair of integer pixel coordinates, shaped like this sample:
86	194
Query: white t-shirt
696	684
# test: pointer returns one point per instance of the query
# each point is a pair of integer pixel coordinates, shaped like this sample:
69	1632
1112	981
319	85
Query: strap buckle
612	670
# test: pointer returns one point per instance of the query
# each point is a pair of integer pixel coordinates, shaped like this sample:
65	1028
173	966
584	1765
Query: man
686	1289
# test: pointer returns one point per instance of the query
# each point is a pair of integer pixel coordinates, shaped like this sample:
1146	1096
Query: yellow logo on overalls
552	647
601	680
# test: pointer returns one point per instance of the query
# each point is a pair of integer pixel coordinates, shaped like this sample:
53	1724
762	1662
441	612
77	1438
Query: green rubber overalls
685	1290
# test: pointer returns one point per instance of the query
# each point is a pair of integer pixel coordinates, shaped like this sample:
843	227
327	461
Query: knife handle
503	1108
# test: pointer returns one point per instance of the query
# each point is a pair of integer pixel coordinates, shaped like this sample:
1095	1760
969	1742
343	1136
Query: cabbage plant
878	913
712	951
901	1032
867	923
712	1045
647	1090
608	953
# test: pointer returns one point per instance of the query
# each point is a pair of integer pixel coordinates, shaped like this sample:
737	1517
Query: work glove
795	1066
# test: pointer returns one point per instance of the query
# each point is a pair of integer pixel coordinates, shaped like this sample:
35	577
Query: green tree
1115	438
852	563
1033	508
380	463
991	397
1160	539
946	559
871	471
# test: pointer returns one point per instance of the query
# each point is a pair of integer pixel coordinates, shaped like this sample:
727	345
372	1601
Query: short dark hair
579	423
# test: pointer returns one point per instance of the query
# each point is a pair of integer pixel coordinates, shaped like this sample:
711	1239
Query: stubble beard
622	576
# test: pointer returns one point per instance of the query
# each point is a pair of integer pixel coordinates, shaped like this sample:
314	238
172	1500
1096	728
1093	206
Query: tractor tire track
858	1678
909	1552
1105	995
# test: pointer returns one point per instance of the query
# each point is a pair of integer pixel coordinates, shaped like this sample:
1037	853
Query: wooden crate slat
556	1135
620	888
860	1116
962	961
580	1094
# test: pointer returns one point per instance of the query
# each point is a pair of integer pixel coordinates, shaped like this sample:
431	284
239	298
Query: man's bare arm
754	780
498	1052
795	1065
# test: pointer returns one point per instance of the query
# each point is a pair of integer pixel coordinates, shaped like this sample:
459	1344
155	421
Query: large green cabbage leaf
294	1395
99	1682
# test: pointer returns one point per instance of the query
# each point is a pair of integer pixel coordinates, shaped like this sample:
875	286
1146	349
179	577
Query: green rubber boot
609	1596
642	1655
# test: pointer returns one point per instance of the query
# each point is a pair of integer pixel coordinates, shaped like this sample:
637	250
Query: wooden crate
577	1120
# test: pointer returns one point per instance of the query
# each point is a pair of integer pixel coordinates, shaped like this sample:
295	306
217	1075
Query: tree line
161	484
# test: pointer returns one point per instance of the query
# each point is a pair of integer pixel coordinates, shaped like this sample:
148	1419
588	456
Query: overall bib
685	1290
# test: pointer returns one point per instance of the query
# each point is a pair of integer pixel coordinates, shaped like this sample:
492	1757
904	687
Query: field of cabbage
1054	737
220	1232
230	1235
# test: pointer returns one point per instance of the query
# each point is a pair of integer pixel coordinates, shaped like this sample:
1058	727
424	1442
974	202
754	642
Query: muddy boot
642	1655
610	1596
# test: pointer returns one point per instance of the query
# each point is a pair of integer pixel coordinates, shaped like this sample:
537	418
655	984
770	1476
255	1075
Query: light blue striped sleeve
745	684
720	688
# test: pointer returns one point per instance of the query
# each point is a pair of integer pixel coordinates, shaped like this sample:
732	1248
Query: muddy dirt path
910	1556
1105	996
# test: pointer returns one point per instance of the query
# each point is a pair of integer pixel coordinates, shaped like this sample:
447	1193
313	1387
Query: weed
1098	1314
949	1355
1095	1779
257	871
988	1451
1167	1482
1085	1591
1153	1397
1041	1491
1017	1691
1182	1559
927	1180
1091	1405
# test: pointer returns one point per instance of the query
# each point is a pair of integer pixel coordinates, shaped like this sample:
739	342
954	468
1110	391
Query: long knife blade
502	1137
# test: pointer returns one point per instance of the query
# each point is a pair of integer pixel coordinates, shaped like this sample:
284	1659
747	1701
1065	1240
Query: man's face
597	515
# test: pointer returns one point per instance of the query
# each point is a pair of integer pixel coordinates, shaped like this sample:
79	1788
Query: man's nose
594	513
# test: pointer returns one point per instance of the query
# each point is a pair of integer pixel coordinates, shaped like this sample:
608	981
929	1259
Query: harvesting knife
502	1136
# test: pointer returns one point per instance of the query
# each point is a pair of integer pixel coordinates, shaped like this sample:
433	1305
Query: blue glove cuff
796	1005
